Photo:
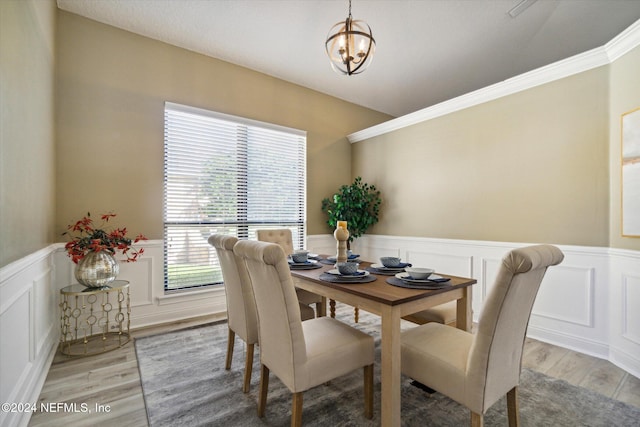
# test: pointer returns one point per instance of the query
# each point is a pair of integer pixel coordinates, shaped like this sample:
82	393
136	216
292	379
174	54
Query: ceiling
427	51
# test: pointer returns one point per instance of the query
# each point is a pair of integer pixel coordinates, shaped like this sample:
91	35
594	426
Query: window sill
176	297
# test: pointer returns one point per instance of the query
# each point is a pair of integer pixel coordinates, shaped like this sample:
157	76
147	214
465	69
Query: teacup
390	261
299	255
347	268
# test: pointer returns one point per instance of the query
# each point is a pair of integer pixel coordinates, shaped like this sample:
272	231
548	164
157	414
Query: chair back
281	236
493	366
282	344
241	306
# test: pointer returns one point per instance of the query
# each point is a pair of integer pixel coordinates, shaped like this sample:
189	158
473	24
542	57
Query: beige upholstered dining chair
241	307
301	354
283	237
477	369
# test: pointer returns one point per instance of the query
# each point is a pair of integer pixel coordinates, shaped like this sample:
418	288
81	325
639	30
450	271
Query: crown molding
617	47
624	42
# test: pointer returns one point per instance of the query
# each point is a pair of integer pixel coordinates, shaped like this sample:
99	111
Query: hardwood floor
109	384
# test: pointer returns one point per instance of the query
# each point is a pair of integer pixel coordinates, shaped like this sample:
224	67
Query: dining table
391	303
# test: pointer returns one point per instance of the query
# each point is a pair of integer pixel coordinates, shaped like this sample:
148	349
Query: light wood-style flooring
111	381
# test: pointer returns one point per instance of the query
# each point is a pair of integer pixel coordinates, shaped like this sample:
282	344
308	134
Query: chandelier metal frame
341	48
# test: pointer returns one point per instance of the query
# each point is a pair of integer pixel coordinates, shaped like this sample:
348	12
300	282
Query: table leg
464	314
323	307
390	378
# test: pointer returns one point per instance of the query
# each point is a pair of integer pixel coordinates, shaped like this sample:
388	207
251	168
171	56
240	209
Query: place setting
301	260
389	266
418	278
350	257
347	272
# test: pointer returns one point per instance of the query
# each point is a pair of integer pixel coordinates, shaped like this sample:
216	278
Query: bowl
299	255
390	261
419	273
347	268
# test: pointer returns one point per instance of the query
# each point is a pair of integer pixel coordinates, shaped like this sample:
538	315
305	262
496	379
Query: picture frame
630	173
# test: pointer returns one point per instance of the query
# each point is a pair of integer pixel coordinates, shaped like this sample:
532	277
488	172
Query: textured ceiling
427	52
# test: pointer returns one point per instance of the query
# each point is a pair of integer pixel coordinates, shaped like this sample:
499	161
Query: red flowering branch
85	238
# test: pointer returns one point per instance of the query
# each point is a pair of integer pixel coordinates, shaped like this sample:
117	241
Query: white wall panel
15	346
140	277
28	330
44	314
630	309
567	294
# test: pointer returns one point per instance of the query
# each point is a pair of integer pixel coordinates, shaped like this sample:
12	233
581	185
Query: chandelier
350	46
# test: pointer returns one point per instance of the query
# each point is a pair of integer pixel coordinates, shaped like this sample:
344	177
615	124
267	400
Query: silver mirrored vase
97	269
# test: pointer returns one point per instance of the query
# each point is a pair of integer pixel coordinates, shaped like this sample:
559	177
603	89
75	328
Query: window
226	175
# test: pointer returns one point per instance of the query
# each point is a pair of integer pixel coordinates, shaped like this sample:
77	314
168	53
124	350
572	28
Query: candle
342	224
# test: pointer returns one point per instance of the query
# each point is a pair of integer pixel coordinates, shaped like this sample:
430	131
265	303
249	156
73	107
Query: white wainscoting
29	330
589	303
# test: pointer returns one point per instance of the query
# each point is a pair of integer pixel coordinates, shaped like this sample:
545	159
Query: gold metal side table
94	321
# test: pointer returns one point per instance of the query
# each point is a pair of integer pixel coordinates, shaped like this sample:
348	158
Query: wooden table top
380	290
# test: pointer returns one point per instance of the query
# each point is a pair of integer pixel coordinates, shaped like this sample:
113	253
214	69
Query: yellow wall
529	167
27	156
625	96
112	86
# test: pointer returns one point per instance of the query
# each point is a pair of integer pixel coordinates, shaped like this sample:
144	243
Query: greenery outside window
227	175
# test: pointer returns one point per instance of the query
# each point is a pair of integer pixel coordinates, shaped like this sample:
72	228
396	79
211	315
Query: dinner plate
389	269
406	277
335	272
297	264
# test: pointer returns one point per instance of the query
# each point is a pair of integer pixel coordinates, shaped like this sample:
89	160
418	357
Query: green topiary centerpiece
358	204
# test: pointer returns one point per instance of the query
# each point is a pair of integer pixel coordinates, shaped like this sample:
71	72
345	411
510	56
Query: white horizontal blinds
229	175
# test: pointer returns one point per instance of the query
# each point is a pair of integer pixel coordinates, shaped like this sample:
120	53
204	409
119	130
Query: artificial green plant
358	204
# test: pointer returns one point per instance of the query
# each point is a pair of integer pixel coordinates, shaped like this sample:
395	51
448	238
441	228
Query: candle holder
342	235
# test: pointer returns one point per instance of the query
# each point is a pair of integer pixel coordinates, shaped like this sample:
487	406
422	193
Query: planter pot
97	269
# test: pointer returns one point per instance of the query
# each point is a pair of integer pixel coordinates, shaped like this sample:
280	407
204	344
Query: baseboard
571	342
626	361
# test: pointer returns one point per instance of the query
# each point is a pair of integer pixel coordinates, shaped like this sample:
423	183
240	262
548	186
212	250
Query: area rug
185	384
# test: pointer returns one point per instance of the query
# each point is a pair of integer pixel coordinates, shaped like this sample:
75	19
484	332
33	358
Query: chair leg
264	385
230	341
512	407
296	410
332	308
368	391
356	314
476	420
248	367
